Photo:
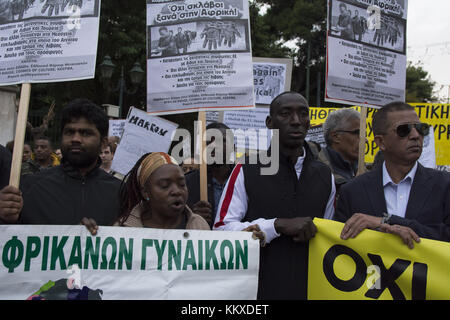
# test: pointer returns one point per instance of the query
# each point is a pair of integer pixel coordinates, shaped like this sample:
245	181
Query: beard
82	159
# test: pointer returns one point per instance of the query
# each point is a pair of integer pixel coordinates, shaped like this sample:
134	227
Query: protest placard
142	133
315	134
366	52
198	56
271	77
249	128
116	127
48	42
121	263
375	266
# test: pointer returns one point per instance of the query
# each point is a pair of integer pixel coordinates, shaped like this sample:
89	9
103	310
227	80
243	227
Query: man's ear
269	124
335	137
379	140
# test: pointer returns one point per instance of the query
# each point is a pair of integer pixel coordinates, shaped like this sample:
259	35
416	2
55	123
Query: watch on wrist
386	218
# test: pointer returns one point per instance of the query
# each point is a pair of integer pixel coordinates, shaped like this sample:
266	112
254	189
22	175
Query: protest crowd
199	57
397	196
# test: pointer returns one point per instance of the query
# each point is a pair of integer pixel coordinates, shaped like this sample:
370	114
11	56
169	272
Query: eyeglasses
404	130
355	132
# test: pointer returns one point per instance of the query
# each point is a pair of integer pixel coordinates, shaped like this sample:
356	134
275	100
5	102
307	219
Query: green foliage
264	42
419	87
301	21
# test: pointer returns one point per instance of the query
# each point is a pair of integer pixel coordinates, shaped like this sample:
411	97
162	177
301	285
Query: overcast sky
429	24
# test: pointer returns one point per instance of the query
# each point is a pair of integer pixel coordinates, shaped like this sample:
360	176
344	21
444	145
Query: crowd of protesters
397	196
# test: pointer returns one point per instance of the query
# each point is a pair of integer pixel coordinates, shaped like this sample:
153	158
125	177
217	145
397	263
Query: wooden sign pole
362	141
19	137
203	169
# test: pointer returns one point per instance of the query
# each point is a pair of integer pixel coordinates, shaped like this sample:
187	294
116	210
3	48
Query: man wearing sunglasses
400	196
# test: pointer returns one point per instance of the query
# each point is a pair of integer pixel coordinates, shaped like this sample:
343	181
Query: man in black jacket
283	204
78	188
5	166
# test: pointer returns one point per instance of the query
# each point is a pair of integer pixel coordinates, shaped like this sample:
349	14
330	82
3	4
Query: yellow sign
375	266
436	115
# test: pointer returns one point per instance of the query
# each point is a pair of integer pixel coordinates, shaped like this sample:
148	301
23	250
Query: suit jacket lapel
420	190
375	192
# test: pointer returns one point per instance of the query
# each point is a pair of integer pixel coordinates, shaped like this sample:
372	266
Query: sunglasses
404	130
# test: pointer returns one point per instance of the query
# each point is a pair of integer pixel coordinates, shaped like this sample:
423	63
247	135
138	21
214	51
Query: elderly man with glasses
341	133
400	196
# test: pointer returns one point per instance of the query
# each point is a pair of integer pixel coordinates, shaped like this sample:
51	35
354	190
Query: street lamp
136	75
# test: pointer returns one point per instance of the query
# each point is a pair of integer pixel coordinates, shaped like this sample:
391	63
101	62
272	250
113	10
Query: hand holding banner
375	265
67	262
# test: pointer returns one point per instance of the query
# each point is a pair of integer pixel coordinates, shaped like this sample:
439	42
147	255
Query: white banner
47	41
142	133
199	56
66	262
366	52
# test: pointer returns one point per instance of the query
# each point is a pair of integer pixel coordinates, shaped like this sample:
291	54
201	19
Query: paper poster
142	133
366	52
269	81
249	128
198	56
48	41
116	127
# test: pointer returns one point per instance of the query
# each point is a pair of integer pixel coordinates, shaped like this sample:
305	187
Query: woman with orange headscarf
154	195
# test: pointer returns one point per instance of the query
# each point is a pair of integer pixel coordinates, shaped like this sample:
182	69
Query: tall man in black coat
400	196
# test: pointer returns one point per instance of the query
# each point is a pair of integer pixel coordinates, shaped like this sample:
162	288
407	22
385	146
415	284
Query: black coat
60	195
428	209
5	166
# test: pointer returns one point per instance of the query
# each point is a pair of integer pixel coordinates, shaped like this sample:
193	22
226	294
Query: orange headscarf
152	162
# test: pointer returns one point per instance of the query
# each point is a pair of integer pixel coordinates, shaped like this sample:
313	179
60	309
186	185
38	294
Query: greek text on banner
66	262
375	266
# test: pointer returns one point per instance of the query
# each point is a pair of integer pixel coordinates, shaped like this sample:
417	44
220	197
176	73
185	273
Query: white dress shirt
397	195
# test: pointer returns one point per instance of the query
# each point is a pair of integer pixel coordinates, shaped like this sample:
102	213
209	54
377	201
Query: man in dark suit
400	196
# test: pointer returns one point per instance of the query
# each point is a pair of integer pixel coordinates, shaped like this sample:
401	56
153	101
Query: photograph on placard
351	22
21	10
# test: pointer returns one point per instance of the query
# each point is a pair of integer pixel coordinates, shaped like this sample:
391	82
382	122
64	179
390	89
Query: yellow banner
375	266
436	115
